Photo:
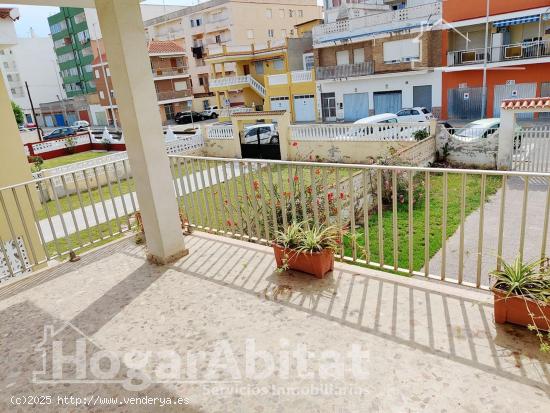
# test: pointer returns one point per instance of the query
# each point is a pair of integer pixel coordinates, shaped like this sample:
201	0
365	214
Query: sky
36	16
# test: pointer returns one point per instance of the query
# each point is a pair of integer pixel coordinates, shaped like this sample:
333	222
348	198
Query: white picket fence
532	149
374	132
219	132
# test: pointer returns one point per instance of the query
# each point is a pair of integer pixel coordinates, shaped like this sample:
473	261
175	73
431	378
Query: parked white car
80	125
414	115
266	132
381	118
211	113
483	128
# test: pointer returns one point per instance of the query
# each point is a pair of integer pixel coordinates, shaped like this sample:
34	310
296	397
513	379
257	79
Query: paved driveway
511	235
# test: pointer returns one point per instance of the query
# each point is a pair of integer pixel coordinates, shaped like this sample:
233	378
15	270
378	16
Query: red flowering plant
298	199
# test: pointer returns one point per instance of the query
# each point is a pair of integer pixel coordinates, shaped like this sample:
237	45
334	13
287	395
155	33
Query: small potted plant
522	296
307	248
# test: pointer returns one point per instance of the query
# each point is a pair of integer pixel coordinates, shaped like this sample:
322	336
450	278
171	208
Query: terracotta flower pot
515	309
315	263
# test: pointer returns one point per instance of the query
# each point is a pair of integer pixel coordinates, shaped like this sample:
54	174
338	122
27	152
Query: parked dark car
185	117
60	133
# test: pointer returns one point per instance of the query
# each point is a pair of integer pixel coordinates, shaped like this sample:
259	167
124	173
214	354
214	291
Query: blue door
356	106
387	102
72	118
59	119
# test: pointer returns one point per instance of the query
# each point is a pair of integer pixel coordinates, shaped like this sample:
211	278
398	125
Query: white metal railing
219	132
275	80
517	51
380	205
370	132
343	71
299	76
214	49
396	19
532	149
238	80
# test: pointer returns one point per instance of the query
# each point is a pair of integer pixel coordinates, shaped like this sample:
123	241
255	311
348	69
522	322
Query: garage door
422	96
280	103
519	90
304	108
356	106
387	102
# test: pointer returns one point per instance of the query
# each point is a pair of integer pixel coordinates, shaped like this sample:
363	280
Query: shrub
420	134
70	145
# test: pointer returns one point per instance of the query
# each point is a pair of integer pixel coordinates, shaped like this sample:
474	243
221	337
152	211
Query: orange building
517	55
172	81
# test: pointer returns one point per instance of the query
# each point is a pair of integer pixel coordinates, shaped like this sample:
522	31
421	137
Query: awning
517	20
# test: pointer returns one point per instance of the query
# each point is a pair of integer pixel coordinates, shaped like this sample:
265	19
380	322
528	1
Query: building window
282	13
112	94
270	33
108	71
309	61
279	64
290	13
58	27
283	33
342	58
169	111
196	22
97	76
300	13
401	51
250	34
101	94
79	18
10	79
359	55
269	13
259	67
218	38
201	81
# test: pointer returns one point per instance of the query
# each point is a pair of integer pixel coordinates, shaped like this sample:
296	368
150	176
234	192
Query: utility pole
484	88
33	112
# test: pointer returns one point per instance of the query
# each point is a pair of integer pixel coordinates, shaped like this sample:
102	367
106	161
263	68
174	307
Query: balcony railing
172	71
296	76
393	20
518	51
343	71
173	94
236	81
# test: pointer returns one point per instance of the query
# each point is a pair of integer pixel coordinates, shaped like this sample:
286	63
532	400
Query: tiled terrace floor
430	346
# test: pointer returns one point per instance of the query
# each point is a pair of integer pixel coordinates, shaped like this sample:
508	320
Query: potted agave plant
307	248
522	296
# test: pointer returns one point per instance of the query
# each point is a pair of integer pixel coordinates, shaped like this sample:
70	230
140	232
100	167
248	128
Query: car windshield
473	130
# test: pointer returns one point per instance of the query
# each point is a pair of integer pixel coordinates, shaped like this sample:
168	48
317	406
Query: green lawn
68	159
473	197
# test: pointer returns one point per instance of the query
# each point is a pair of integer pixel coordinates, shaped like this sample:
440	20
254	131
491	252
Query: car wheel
214	115
274	140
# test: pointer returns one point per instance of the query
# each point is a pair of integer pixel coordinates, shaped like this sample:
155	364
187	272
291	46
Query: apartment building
76	34
18	65
516	59
378	56
172	81
228	23
273	76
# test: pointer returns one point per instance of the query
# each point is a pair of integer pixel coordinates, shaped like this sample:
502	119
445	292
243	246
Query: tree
18	113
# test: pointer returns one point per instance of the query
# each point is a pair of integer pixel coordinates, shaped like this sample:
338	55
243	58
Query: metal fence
453	225
532	149
420	221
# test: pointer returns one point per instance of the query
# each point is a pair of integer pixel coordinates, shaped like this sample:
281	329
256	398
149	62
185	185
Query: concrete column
15	169
506	139
124	38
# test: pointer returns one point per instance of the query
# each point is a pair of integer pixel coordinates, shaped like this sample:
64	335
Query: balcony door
328	106
246	70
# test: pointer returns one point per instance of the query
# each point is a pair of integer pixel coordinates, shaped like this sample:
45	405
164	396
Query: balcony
229	82
345	71
170	72
505	53
379	23
226	295
296	76
174	95
272	46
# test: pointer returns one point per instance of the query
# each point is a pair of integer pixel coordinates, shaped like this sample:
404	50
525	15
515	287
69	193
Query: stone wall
471	153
